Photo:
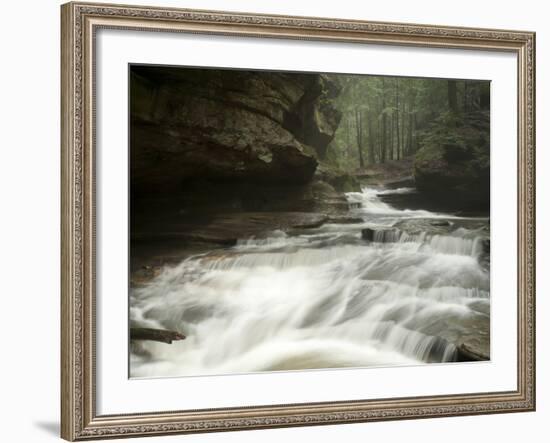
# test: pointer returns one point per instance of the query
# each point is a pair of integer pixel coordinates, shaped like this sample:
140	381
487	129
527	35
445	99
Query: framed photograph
277	221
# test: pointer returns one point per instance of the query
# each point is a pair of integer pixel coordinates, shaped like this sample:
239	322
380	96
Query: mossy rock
340	180
453	161
346	183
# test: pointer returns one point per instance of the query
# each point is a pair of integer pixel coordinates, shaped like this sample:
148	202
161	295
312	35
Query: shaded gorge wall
232	132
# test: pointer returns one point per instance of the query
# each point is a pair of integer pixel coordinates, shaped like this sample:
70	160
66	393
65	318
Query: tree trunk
484	96
412	113
359	132
370	154
397	118
403	127
392	126
451	93
465	96
347	121
410	134
415	139
384	123
378	141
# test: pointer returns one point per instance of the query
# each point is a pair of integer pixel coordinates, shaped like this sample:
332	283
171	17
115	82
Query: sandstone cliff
232	126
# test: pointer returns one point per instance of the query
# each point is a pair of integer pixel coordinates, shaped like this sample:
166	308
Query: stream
324	298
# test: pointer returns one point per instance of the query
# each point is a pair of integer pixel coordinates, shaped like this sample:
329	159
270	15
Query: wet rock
470	352
404	182
367	234
179	233
440	223
416	200
309	221
478	227
144	274
224	229
345	220
161	335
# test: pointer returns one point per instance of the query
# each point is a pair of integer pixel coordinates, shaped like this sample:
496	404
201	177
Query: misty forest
291	221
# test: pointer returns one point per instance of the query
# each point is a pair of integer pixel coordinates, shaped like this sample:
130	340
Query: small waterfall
445	244
301	257
387	236
323	299
456	245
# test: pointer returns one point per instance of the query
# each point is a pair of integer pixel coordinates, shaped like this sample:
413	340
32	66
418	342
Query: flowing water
322	298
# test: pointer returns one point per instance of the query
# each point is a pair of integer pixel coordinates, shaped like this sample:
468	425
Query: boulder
452	164
340	180
471	352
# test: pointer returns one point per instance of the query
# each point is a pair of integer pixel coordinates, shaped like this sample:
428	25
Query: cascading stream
321	298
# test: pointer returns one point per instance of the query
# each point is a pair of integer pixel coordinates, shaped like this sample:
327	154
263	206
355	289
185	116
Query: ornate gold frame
79	420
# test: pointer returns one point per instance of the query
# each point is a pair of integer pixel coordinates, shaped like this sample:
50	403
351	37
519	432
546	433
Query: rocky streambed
370	285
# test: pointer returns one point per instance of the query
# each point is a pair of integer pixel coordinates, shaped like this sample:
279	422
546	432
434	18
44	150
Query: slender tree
397	118
484	96
392	127
384	123
372	140
451	91
465	96
359	136
384	117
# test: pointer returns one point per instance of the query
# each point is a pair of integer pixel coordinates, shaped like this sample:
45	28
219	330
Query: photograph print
286	221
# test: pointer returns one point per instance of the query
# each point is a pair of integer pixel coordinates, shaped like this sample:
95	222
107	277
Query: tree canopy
384	118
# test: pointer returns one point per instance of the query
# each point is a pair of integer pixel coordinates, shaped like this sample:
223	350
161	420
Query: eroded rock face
234	126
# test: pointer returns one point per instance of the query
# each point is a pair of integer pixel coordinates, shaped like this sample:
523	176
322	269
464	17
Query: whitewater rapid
319	298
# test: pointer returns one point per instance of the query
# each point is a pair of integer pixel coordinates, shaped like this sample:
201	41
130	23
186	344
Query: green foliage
454	157
383	118
444	134
456	136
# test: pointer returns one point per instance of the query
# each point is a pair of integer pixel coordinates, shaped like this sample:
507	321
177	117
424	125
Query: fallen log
161	335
